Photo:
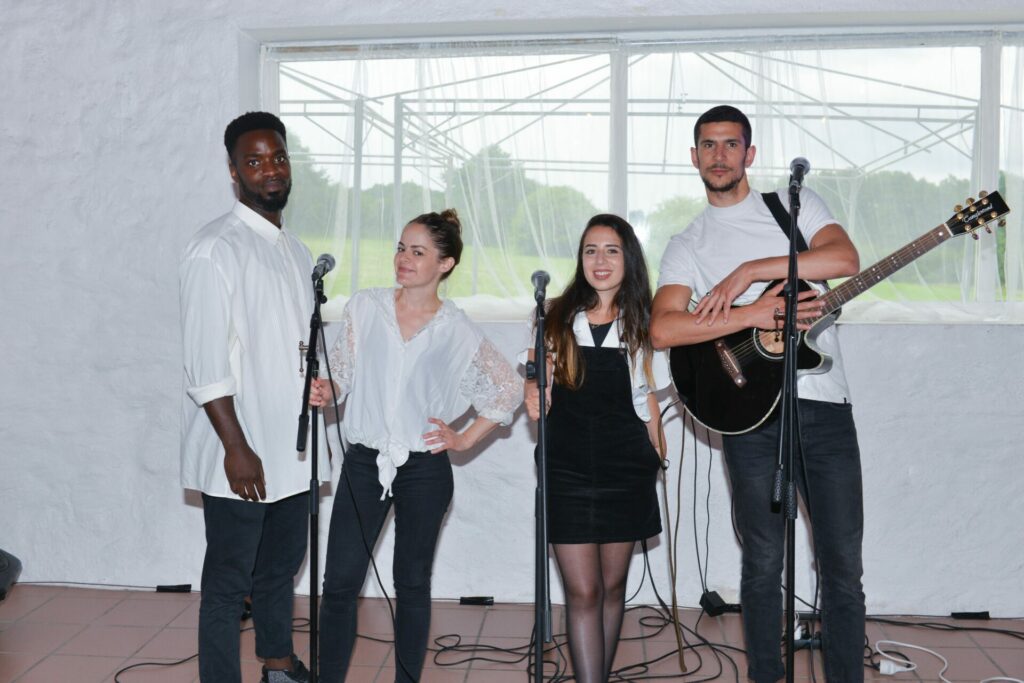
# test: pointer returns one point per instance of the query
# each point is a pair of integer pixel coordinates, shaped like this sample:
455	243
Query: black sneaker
299	673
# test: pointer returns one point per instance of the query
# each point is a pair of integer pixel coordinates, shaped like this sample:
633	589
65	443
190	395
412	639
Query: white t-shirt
246	301
721	238
394	386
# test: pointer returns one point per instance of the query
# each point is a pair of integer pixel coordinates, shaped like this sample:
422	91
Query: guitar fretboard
869	277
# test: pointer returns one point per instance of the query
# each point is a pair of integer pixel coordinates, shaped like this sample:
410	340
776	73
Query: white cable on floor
892	665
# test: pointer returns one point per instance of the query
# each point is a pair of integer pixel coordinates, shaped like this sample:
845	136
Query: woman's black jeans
421	491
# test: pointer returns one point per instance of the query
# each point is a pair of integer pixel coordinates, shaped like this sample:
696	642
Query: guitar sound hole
769	344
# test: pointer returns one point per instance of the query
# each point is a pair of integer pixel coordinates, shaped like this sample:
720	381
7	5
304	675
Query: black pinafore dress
602	468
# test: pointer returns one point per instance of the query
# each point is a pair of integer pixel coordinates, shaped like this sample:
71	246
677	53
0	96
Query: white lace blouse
393	386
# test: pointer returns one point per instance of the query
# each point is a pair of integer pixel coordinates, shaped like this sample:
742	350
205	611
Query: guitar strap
782	218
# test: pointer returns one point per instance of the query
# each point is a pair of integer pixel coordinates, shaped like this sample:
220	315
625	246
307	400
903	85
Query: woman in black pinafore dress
602	425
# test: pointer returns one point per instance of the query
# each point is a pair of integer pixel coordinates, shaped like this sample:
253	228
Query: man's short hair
250	121
726	113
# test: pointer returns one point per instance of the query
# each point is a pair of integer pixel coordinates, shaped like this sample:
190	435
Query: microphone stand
312	370
784	487
537	369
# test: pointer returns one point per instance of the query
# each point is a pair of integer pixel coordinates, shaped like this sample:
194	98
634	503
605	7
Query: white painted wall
111	116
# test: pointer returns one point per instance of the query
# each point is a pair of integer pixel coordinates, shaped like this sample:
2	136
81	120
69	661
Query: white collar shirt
394	385
246	301
637	377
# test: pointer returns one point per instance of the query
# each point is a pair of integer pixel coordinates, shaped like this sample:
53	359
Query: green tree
310	213
487	189
378	207
550	220
886	210
670	217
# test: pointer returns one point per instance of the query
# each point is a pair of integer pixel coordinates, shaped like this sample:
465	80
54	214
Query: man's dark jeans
829	480
251	549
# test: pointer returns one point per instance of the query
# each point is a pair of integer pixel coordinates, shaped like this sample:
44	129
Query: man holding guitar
725	258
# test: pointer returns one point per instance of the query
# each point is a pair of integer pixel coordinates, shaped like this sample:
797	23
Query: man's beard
271	203
723	189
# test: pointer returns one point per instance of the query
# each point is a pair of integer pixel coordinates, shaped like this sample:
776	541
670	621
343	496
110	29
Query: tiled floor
79	635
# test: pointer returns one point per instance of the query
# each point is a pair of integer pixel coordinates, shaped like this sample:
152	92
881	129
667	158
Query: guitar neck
869	277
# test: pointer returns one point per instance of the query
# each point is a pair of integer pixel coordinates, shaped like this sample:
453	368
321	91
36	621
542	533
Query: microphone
324	265
540	280
798	168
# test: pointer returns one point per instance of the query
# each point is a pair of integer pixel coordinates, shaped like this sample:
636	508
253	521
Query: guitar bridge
729	363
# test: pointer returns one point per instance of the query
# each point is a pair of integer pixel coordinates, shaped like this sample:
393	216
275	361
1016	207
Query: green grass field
509	275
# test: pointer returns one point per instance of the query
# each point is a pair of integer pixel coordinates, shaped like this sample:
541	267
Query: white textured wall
110	123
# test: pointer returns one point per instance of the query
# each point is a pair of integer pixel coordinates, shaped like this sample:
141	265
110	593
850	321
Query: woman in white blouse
409	363
603	435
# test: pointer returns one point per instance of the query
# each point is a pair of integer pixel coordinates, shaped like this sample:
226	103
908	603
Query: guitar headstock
978	213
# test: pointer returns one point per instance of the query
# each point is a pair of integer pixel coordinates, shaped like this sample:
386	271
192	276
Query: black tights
594	578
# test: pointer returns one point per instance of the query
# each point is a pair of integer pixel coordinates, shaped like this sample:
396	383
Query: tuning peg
974	234
960	215
970	201
982	194
988	229
1001	223
958	208
993	215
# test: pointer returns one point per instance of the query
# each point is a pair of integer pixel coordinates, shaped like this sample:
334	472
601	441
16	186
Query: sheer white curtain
1012	166
527	140
517	143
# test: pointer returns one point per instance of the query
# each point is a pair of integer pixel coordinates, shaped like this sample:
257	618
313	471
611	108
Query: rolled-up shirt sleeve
206	330
491	385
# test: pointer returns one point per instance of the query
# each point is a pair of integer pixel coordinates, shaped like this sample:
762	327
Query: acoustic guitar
732	384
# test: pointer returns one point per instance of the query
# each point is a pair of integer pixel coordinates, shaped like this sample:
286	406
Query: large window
529	139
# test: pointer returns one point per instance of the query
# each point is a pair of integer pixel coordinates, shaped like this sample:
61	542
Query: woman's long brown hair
633	301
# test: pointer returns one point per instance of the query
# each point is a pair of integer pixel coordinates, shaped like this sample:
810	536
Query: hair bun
451	216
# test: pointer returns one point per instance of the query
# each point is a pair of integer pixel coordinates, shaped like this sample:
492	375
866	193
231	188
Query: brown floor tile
371	653
67	609
132	612
113	641
443	676
628	653
374	618
77	668
90	632
187	672
1011	661
1001	640
189	618
965	663
27	636
517	623
660	658
13	664
462	621
488	654
363	674
171	643
927	637
22	600
251	671
489	676
192	596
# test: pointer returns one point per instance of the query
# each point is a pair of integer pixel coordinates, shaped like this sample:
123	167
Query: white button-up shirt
246	301
394	386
